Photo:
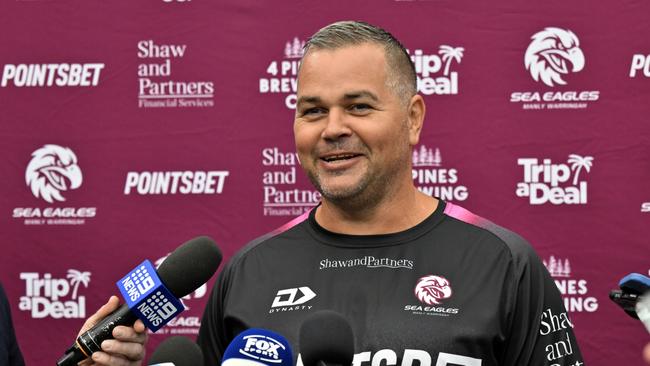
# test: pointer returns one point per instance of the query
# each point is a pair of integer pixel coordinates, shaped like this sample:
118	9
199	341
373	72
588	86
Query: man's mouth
339	157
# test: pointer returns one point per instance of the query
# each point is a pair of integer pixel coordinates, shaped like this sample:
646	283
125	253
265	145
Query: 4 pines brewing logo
554	183
281	75
46	296
50	174
575	292
430	177
157	89
552	55
430	80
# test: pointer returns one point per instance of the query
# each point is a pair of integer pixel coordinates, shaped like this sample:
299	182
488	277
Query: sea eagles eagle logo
554	52
53	169
431	289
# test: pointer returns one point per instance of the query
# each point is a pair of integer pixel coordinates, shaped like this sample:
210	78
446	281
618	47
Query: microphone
153	300
177	351
326	339
632	287
258	347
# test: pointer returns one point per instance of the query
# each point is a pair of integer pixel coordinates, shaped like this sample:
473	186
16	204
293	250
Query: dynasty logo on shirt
292	299
431	290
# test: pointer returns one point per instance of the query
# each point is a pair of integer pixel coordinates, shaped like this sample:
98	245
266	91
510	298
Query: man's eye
360	108
312	111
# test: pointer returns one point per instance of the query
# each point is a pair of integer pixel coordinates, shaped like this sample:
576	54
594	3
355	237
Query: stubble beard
372	187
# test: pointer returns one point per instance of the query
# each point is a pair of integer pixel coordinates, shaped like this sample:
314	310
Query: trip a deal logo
552	58
47	296
51	174
432	291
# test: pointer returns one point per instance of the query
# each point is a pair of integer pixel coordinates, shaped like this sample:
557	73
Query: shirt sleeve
541	333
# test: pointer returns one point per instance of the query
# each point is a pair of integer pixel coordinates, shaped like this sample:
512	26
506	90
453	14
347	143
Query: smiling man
422	282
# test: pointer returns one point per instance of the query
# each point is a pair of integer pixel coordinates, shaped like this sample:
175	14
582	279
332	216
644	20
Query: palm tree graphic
450	53
578	162
77	277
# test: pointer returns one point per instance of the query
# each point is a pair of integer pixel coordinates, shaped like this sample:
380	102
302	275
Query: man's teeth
339	157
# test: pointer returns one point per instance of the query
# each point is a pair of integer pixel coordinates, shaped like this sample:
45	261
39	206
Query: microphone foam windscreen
190	265
177	351
258	347
326	336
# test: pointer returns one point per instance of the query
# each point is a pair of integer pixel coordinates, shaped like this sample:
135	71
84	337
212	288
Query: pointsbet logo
640	65
546	182
50	297
47	75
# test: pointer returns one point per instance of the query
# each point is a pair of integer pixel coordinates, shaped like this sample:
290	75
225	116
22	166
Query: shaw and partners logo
552	183
292	299
552	55
47	75
431	290
53	171
367	261
46	296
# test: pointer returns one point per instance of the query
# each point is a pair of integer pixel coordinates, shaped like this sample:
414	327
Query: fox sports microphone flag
258	347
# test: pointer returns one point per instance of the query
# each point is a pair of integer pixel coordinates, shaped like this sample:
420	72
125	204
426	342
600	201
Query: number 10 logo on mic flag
148	298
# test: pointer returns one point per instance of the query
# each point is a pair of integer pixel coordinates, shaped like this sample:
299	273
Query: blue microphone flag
258	347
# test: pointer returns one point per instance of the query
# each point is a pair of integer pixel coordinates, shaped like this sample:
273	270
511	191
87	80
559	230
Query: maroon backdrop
172	119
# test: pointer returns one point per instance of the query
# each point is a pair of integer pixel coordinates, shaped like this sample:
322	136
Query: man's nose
337	125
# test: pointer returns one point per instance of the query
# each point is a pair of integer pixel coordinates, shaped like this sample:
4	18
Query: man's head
357	114
401	72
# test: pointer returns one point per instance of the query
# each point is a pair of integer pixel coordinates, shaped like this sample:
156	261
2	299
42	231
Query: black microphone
188	267
326	339
177	351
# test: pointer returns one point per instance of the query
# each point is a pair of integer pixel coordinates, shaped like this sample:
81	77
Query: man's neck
401	212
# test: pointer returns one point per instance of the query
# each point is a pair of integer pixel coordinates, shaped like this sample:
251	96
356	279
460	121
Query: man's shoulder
516	245
291	229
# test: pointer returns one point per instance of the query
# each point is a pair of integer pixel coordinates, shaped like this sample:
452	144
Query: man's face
352	133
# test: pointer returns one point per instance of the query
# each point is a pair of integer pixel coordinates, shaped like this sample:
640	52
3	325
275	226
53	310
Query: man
422	282
9	350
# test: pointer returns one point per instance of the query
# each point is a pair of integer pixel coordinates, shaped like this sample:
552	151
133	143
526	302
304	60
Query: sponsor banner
47	296
432	178
553	55
574	290
175	182
282	196
157	88
51	75
640	66
281	74
564	345
434	70
557	184
52	171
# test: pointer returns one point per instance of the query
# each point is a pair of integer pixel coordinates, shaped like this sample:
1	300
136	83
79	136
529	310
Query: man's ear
416	110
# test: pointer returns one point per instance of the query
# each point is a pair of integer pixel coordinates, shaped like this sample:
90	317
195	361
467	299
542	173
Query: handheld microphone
326	339
631	294
177	351
258	347
188	267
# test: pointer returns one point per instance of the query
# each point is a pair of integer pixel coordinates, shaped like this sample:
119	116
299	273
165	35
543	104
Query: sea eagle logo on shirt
52	170
553	52
432	289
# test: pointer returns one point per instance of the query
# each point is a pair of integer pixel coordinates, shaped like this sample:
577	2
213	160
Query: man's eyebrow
360	94
308	99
